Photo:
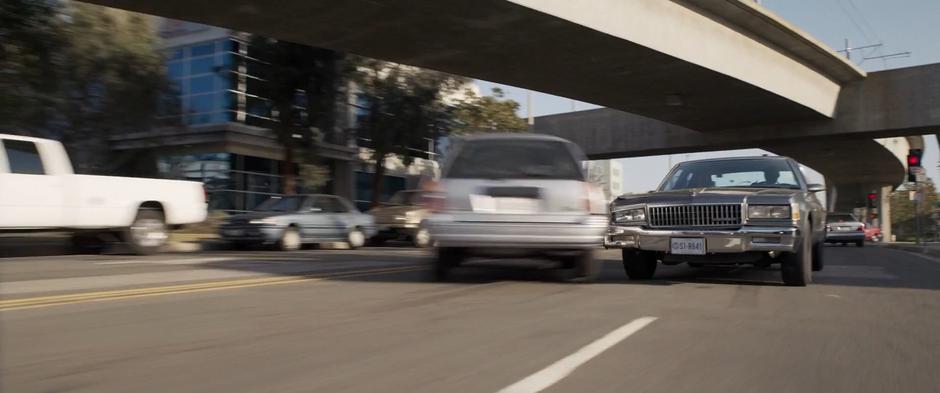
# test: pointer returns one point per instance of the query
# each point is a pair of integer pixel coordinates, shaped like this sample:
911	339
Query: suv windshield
515	159
280	204
756	173
410	198
841	218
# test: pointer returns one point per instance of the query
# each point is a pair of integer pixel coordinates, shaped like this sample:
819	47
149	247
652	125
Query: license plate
505	205
234	232
687	246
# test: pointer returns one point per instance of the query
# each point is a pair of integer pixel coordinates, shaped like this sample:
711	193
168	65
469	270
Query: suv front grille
712	215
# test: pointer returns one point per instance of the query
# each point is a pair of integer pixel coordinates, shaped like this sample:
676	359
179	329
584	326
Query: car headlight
771	212
263	221
631	215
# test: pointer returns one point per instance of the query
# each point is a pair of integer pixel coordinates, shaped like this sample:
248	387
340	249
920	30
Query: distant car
401	217
873	234
291	221
517	196
727	211
844	228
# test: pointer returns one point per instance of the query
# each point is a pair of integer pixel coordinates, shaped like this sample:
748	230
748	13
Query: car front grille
711	215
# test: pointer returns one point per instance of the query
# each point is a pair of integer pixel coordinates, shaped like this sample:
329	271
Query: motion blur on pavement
455	196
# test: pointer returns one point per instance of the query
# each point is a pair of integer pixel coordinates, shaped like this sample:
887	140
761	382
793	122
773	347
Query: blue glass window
174	54
201	84
201	66
203	49
223	81
228	45
227	100
175	69
201	103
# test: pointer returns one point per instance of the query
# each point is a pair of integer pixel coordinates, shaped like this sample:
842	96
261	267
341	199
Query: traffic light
871	199
914	161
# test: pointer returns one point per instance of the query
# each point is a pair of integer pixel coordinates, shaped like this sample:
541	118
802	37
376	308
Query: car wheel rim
291	240
148	232
356	239
422	238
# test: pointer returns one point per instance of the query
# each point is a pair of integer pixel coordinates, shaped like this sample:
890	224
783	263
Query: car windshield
515	159
841	218
409	198
751	173
280	204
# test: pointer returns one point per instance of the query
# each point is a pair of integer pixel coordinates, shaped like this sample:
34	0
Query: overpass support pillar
831	197
884	213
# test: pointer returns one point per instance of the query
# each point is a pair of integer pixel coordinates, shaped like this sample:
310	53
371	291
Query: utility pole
528	107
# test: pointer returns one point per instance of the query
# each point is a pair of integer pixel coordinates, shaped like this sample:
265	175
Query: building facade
215	132
607	175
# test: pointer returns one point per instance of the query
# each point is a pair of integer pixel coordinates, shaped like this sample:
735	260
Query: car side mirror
815	187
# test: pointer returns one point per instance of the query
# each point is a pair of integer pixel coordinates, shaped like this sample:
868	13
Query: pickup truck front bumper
741	240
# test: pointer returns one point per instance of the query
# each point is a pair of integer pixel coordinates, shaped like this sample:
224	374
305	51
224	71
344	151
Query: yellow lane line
48	301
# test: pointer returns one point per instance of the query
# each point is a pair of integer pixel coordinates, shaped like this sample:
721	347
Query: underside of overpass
703	64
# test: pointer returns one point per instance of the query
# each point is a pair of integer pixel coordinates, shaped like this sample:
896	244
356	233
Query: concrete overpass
703	64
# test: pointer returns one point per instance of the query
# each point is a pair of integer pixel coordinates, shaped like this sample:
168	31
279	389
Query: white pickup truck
40	191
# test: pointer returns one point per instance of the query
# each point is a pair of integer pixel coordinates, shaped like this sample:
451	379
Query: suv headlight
263	221
769	212
630	215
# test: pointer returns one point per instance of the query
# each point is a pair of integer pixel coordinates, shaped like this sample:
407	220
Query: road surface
368	321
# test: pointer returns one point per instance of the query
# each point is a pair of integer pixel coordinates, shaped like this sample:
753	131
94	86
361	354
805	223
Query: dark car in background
845	228
289	222
729	211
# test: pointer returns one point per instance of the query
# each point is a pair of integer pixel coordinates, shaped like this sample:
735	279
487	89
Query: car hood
711	195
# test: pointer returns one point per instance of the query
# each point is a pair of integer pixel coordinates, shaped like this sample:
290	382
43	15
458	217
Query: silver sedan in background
291	221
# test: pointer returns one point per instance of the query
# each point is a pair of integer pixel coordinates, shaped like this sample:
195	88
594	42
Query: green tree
487	114
302	86
902	212
79	73
405	108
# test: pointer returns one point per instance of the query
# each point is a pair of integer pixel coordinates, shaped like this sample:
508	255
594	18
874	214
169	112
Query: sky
898	25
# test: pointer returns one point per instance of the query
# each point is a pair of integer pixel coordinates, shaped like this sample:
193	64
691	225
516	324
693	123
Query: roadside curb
930	251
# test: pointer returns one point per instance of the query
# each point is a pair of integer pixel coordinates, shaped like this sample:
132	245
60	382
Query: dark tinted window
410	198
515	159
23	157
331	205
281	204
841	218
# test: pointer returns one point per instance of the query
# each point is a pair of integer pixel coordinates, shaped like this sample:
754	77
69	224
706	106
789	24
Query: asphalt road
368	321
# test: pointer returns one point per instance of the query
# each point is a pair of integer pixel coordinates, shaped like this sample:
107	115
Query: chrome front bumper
745	239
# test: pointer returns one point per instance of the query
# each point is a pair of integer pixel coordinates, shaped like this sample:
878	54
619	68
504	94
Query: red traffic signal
872	196
913	158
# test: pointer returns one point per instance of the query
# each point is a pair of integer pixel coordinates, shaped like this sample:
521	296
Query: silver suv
516	196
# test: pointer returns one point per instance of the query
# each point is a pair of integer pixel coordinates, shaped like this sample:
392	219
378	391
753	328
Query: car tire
818	258
148	233
639	265
355	238
796	267
446	259
860	243
422	238
290	240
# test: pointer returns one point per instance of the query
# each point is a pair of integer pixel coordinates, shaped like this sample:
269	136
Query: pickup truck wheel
639	265
818	261
148	233
290	240
422	238
355	238
445	261
796	267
